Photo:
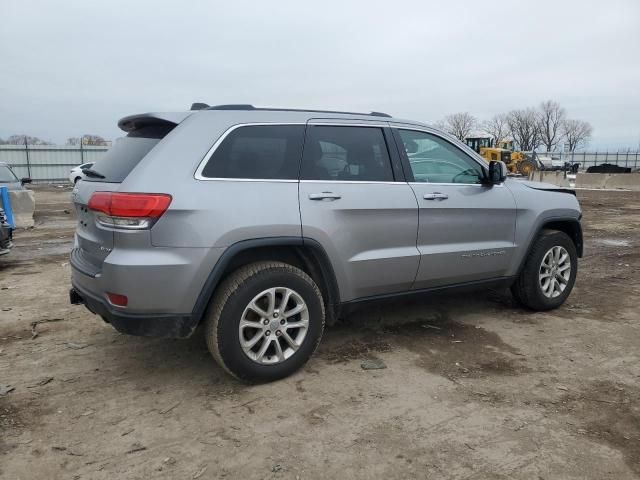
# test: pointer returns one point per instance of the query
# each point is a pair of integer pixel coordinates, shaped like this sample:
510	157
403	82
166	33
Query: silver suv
263	224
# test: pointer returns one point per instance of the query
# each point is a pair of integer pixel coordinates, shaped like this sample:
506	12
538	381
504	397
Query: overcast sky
74	67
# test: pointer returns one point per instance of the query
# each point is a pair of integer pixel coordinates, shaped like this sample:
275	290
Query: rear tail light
117	299
131	211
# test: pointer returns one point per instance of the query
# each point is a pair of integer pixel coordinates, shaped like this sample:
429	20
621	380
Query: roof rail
380	114
233	106
244	106
198	106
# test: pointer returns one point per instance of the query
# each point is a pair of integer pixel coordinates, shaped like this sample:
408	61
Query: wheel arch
569	225
304	253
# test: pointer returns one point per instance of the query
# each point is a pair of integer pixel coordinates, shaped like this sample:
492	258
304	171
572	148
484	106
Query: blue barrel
6	206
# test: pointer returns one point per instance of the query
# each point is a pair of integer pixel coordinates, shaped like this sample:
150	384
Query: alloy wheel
555	272
273	325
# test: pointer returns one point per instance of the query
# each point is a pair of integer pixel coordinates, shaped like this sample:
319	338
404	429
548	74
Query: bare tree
25	140
497	128
552	117
73	141
577	133
460	125
90	139
524	127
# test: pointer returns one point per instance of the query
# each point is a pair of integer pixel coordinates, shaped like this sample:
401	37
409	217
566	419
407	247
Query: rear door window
127	152
259	152
346	153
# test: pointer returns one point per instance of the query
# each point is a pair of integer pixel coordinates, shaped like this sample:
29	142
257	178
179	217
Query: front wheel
265	321
526	166
549	272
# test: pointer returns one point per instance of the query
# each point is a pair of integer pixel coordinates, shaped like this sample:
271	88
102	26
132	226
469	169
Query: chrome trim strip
459	184
272	180
353	181
333	123
198	173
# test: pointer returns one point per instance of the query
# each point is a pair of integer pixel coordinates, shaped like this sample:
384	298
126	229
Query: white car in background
76	172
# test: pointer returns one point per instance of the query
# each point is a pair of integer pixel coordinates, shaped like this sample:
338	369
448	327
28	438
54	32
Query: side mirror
497	172
25	180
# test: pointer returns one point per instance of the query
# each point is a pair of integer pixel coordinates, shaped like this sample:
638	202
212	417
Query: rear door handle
324	196
435	196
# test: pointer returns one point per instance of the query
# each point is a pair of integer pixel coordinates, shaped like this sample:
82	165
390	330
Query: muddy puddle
442	345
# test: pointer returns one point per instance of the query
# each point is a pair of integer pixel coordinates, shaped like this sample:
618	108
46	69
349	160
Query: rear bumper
148	325
165	281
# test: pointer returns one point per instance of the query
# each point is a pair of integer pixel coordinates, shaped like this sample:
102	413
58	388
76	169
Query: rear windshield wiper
92	173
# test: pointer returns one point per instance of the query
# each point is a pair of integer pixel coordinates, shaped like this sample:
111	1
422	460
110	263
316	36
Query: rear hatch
94	242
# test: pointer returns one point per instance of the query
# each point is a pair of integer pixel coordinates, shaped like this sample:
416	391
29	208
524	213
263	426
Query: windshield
6	175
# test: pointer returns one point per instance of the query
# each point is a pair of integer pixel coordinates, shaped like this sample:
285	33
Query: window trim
203	163
384	128
405	160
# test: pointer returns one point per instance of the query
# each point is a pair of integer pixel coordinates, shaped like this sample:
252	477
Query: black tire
227	306
527	289
75	180
526	166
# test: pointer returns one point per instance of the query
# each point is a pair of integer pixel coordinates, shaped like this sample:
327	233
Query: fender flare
543	224
218	270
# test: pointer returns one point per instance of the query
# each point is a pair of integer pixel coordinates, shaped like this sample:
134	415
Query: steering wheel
468	171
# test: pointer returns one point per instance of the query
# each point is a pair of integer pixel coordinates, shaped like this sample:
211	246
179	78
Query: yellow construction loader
517	162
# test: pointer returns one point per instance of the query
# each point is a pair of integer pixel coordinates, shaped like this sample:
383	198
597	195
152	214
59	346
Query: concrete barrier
626	181
558	179
23	204
591	180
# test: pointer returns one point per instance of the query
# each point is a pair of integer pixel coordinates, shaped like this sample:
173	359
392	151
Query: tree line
530	128
87	139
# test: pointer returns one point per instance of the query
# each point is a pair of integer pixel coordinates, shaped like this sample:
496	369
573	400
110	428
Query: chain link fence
591	159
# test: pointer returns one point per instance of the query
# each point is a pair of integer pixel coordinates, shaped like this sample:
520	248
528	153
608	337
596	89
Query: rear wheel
549	272
265	321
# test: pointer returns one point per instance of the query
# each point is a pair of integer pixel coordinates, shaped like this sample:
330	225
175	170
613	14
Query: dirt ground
474	387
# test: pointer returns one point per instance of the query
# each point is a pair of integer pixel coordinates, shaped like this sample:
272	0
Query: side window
346	153
7	175
434	160
258	152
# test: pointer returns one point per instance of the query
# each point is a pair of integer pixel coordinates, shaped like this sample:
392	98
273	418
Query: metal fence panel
48	163
590	159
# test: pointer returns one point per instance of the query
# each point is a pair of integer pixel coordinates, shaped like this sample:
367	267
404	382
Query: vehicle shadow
367	330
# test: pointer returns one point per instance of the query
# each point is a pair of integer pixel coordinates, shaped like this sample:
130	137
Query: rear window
127	152
257	152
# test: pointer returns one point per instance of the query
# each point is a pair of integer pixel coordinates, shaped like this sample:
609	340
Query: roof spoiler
133	122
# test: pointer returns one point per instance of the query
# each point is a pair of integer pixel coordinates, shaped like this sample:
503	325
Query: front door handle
435	196
324	196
